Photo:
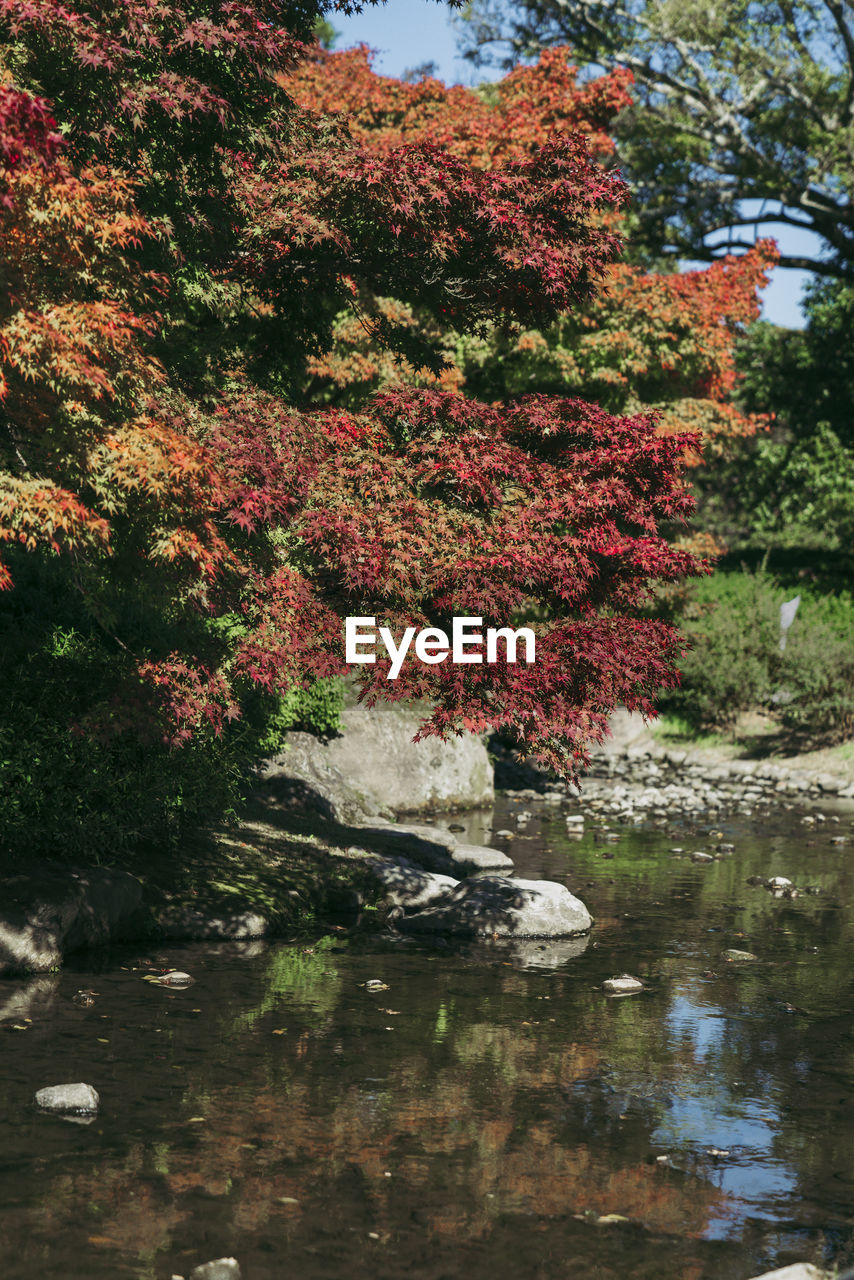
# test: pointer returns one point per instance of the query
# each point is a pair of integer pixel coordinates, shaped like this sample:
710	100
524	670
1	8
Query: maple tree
646	341
158	450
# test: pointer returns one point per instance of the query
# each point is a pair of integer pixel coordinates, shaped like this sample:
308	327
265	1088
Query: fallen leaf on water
103	1241
280	1031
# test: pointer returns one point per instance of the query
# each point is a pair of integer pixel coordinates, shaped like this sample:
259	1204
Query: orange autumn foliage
648	340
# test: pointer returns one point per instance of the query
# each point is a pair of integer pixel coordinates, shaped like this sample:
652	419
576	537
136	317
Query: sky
409	33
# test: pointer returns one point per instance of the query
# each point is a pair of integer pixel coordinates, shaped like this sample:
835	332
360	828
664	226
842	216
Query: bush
733	624
735	664
69	793
818	673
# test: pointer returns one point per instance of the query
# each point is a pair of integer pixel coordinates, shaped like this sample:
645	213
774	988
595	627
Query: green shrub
818	679
316	710
735	664
66	793
733	624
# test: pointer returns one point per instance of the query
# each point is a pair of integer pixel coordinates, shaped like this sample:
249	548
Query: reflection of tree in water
502	1101
473	1126
305	976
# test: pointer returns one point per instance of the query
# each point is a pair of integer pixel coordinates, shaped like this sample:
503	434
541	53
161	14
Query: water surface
485	1113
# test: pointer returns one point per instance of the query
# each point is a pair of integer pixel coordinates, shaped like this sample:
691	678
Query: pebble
221	1269
75	1099
778	882
174	979
631	787
738	957
699	856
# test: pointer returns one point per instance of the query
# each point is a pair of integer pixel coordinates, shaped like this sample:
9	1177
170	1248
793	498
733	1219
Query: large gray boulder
374	767
629	735
52	911
502	907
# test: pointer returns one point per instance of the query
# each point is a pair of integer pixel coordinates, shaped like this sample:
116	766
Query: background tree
736	101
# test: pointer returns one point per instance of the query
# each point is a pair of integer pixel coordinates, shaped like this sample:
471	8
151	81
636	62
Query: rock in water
221	1269
738	957
479	857
175	978
625	985
408	886
502	907
71	1099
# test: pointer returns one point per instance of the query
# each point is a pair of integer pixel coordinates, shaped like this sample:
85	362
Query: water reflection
485	1112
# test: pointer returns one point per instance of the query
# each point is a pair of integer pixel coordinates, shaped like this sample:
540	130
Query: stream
487	1113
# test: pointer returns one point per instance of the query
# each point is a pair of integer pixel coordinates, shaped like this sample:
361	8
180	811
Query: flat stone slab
479	857
502	907
76	1099
408	886
427	847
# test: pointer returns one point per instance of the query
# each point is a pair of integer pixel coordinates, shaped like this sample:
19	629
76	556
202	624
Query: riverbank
756	754
312	849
